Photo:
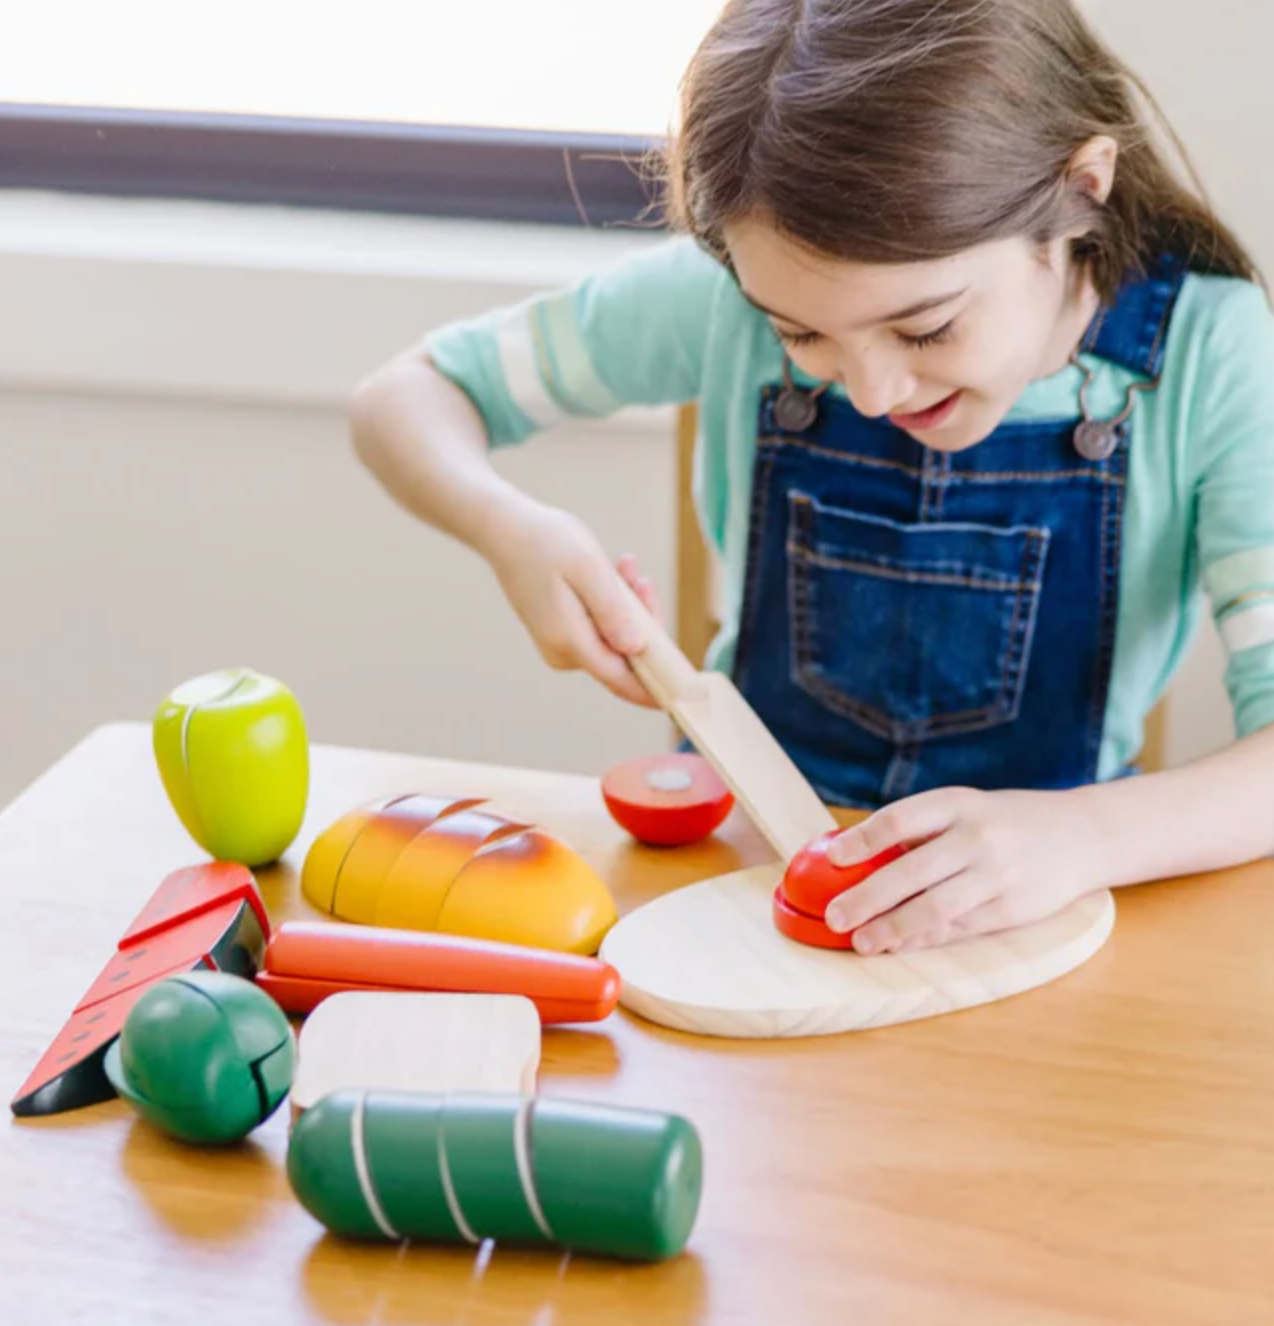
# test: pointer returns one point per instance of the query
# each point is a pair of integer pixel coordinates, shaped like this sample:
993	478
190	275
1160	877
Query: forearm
1214	813
422	438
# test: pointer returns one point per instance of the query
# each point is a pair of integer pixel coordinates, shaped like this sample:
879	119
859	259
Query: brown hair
905	130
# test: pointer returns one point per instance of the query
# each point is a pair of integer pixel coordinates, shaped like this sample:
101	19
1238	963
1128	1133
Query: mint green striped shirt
669	325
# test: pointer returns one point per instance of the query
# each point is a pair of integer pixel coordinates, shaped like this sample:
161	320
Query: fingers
915	820
641	586
952	909
593	581
584	647
925	867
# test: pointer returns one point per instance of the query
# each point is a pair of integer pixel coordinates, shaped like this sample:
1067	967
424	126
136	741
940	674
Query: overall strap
1132	330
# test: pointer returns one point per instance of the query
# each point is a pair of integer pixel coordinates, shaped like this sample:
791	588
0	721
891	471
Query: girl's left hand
976	862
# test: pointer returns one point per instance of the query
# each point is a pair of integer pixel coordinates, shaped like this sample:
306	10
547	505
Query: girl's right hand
563	587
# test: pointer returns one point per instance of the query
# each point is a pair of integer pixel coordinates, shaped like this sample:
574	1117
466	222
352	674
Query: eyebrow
912	311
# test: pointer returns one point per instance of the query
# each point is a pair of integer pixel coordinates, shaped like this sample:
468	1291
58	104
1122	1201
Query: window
518	109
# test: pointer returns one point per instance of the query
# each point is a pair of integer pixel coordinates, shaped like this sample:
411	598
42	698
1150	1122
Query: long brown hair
904	130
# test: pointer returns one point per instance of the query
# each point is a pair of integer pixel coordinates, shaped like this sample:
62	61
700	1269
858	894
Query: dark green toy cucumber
599	1179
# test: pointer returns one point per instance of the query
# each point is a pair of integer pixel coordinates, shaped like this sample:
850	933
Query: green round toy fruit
205	1056
234	758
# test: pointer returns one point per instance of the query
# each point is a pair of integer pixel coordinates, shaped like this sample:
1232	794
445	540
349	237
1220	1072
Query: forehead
814	290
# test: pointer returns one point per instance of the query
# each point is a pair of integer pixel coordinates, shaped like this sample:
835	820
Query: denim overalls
913	619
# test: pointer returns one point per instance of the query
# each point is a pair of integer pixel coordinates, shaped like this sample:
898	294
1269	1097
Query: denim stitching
1013	674
992	585
1093	474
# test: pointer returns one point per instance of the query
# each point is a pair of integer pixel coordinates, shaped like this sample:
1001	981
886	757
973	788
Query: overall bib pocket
913	631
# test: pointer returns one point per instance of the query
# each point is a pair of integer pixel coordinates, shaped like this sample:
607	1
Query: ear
1091	171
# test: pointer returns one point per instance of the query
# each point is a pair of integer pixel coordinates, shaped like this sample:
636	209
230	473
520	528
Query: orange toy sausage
307	961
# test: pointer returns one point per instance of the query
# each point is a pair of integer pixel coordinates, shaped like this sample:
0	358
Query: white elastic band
359	1147
516	344
522	1149
449	1188
1247	630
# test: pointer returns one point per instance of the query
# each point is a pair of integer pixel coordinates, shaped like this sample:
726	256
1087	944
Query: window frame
490	174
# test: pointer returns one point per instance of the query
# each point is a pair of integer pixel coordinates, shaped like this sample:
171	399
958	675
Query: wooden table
1098	1151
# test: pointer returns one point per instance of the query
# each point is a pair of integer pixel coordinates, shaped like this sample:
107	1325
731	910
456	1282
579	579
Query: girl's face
942	348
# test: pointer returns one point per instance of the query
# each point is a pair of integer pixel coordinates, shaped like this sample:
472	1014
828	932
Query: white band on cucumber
522	1150
358	1147
449	1188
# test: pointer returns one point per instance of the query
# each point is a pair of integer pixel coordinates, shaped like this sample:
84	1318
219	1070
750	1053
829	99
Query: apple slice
668	800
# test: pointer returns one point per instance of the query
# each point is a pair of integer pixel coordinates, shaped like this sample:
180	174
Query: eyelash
937	337
797	338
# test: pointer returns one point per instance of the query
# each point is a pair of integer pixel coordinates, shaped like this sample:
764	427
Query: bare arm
984	861
1211	814
426	443
422	438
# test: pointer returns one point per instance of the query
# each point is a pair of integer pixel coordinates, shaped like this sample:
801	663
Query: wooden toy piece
708	958
206	1056
668	800
614	1182
306	962
433	1043
809	885
440	863
234	758
207	917
726	730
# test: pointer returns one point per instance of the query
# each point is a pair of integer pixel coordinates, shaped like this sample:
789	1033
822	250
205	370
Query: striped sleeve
1233	425
633	335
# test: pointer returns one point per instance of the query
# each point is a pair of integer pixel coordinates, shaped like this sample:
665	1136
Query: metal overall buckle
795	408
1097	439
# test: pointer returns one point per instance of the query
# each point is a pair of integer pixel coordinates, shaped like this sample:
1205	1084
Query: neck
1079	306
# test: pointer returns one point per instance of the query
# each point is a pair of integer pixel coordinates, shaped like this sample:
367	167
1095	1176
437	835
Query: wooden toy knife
728	733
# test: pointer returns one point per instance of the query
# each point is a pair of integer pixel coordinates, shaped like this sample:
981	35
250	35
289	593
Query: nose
877	384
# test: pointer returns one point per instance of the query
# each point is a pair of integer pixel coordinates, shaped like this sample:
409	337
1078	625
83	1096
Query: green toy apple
234	758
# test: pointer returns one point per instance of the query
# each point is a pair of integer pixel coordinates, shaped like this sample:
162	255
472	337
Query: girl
986	398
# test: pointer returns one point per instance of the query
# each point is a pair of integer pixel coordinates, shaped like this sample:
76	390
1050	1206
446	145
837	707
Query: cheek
991	360
818	361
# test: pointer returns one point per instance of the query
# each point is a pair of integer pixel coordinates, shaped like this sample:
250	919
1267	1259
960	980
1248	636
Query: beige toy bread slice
417	1042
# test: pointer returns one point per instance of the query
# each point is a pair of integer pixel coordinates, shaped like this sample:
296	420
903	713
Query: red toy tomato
806	929
809	885
667	800
812	881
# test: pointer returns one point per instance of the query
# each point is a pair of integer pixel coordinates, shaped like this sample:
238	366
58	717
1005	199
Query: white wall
177	493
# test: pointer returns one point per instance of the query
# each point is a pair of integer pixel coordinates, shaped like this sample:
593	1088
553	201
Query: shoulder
674	269
1217	317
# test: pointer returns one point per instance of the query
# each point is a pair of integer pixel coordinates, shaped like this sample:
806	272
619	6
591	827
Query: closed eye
943	333
797	338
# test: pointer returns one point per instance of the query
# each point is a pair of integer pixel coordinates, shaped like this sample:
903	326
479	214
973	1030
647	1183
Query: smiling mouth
933	417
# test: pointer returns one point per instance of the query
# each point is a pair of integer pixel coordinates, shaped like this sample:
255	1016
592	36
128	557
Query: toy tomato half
667	800
811	881
809	885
